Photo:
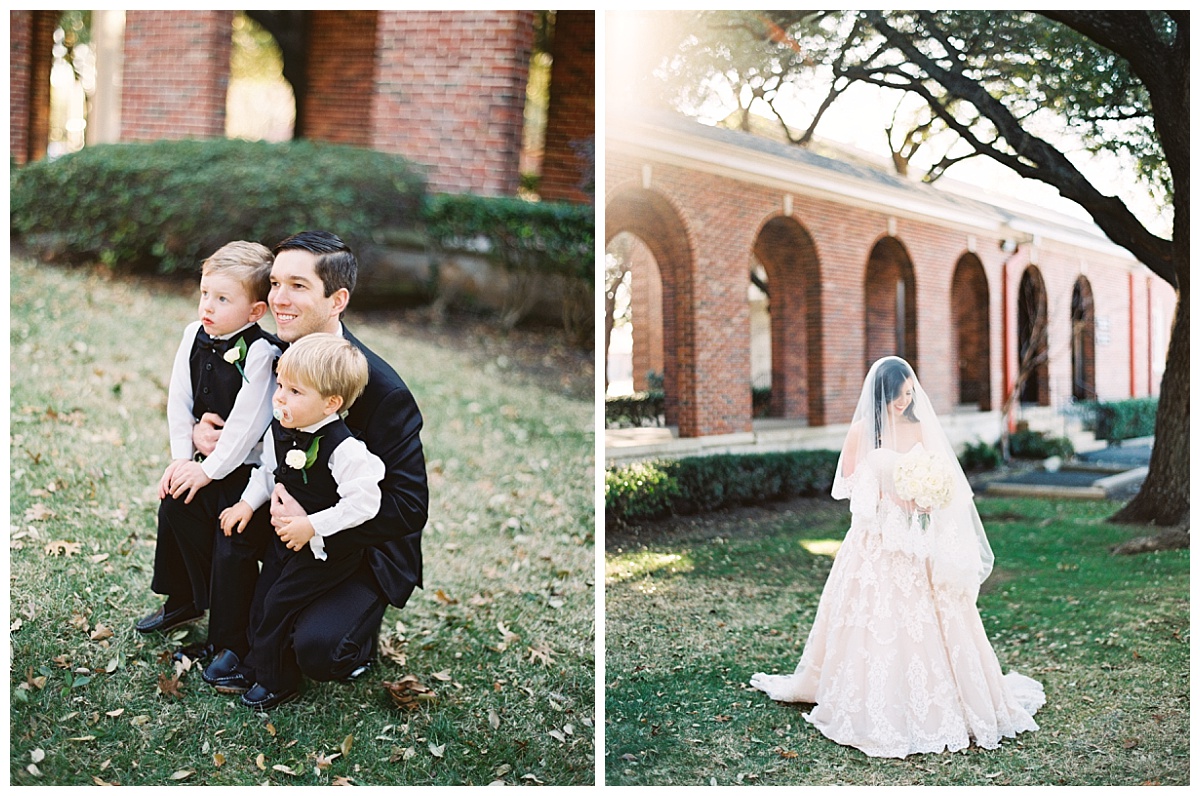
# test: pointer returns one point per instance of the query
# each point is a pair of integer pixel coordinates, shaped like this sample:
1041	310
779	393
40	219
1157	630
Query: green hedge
649	490
549	237
1118	420
634	411
169	204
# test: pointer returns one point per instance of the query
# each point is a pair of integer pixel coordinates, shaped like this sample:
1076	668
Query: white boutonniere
302	460
237	355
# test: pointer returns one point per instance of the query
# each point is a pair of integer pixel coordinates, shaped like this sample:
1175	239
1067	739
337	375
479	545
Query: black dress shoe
223	675
162	619
259	698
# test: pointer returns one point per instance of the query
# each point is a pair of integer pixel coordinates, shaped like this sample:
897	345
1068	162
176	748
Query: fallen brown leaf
408	692
170	686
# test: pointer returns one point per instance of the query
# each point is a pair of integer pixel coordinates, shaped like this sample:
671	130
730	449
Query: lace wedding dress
895	665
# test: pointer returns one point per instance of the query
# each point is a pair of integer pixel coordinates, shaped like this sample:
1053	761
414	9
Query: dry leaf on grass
38	512
170	686
62	548
408	692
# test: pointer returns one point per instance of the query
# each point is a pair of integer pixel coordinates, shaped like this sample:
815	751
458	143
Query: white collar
320	423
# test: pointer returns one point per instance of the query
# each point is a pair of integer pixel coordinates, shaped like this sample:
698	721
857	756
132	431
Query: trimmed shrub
634	411
1036	445
1118	420
650	490
529	240
979	456
169	204
551	237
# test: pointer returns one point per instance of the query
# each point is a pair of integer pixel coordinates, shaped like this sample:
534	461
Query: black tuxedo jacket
386	418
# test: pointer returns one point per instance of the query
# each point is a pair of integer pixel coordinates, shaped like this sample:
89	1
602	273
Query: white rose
233	355
296	459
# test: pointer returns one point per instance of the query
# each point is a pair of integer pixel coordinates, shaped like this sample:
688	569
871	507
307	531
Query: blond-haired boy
223	366
335	479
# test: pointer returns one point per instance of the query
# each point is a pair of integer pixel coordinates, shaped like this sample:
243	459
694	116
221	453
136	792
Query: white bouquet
926	479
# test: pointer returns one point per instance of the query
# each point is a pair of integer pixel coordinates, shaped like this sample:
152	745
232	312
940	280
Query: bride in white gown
897	661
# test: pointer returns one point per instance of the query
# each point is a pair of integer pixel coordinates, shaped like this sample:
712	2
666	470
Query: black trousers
311	617
183	555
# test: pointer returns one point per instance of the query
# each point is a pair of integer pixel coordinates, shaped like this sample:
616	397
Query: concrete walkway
1113	472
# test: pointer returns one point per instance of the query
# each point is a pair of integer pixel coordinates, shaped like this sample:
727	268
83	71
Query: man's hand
295	531
188	478
236	517
164	484
206	432
284	505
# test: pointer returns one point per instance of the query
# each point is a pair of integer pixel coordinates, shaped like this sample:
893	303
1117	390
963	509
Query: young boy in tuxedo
223	366
335	479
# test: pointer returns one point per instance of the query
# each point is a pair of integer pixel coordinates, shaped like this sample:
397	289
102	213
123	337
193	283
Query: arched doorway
1083	341
788	258
891	296
649	217
1033	350
971	351
633	317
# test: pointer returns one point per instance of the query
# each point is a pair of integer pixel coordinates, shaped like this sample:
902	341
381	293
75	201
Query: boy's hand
295	531
189	478
235	517
164	483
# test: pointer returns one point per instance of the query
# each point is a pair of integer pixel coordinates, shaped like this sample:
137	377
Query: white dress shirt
356	471
241	437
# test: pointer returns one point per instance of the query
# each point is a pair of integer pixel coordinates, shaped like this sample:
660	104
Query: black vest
313	488
215	382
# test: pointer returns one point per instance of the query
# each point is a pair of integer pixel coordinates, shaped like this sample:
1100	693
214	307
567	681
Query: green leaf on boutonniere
310	456
237	355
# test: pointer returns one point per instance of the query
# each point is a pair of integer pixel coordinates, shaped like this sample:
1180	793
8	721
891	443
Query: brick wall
703	227
30	38
20	79
340	74
176	73
571	119
454	102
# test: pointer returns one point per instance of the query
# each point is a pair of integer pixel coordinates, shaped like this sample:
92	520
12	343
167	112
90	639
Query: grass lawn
695	606
503	632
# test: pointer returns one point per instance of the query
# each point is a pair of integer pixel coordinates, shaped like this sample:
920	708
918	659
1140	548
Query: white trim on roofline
674	147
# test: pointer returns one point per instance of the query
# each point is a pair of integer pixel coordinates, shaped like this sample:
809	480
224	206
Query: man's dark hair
336	264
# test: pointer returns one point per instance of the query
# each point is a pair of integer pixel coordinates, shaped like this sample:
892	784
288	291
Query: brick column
340	74
176	74
450	94
569	160
31	38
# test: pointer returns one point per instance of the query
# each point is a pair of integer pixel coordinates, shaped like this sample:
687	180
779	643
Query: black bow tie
211	344
293	437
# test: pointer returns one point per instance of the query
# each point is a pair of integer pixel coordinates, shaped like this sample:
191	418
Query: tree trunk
1163	499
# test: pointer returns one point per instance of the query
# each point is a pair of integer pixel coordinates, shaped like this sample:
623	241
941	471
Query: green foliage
1118	420
644	491
634	411
169	204
980	456
546	237
1030	444
760	399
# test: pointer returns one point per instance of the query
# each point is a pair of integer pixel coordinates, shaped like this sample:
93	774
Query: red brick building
444	88
861	264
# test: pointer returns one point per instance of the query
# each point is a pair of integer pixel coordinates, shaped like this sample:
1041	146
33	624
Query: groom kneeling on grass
336	635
